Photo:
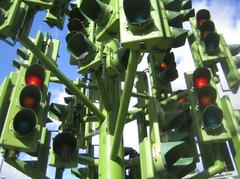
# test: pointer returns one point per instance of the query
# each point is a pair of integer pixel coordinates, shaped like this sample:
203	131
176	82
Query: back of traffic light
56	13
172	158
208	48
12	18
105	15
206	107
6	91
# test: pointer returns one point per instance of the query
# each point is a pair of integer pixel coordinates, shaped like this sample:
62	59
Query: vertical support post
59	173
124	102
233	128
42	162
108	168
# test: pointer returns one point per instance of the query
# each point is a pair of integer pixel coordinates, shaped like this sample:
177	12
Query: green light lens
24	122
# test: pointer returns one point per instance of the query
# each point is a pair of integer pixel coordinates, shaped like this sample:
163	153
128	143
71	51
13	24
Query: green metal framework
107	40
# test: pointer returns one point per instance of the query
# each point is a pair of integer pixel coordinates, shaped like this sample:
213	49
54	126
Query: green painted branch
59	173
124	102
132	115
174	98
80	84
42	162
53	68
213	170
140	95
103	91
87	160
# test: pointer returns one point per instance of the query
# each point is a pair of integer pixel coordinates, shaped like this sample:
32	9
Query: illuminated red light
200	82
182	100
34	80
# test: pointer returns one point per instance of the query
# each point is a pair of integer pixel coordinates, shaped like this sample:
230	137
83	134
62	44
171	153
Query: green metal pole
132	162
42	162
87	160
174	98
140	95
53	68
146	162
108	168
103	91
233	126
59	173
80	84
125	99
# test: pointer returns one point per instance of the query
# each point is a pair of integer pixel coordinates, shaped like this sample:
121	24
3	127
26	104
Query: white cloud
58	95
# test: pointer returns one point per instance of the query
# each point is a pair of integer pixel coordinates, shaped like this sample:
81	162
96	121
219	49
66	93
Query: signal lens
163	65
137	11
182	100
211	41
207	95
201	82
201	77
212	117
33	80
202	15
35	75
24	122
30	97
65	145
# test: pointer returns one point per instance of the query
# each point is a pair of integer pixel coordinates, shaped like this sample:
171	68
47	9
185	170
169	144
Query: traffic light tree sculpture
107	39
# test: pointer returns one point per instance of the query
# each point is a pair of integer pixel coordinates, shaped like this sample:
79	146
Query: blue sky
225	14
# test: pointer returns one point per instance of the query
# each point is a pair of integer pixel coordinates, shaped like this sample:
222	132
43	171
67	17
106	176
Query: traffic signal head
212	115
12	17
65	146
202	15
35	75
167	68
201	77
137	12
80	47
93	9
207	29
55	14
178	159
76	21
